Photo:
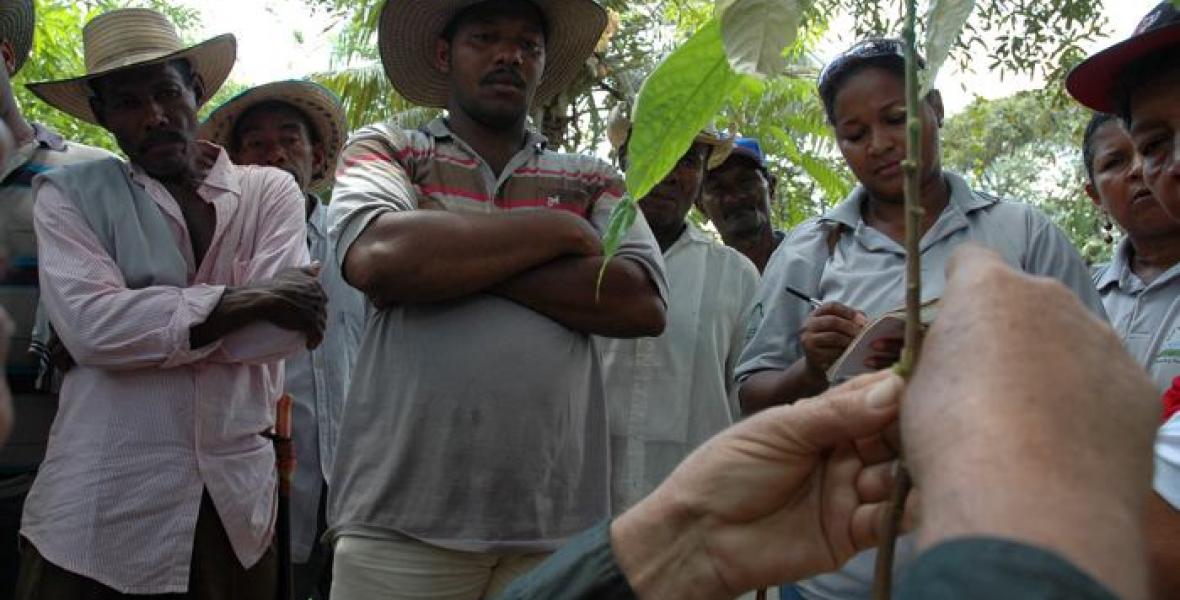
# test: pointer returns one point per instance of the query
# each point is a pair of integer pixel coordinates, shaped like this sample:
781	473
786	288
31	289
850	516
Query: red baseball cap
1093	82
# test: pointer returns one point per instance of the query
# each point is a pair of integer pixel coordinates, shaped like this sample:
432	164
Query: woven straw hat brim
212	59
319	104
409	29
17	22
722	146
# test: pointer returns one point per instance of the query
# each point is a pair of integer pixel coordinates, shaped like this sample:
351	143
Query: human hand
790	492
59	355
573	232
1025	419
299	302
886	353
827	332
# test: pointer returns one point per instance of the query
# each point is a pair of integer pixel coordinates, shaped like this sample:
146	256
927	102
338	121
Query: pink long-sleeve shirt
145	422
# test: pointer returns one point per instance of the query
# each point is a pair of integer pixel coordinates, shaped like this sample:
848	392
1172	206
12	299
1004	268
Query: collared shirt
18	295
1146	316
317	381
145	422
669	394
865	269
474	424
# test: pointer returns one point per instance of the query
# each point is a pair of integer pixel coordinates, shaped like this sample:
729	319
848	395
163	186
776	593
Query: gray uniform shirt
1146	317
865	269
474	424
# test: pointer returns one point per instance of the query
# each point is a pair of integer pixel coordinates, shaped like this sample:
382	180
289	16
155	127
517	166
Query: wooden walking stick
285	460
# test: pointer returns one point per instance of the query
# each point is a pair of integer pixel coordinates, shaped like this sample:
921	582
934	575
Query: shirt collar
315	221
1119	268
963	199
438	129
48	138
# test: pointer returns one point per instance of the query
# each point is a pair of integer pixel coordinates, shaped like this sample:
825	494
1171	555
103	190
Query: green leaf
944	22
680	97
622	216
755	33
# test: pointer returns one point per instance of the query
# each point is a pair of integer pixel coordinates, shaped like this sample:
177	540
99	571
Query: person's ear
442	55
198	86
9	56
319	159
1092	192
934	99
96	107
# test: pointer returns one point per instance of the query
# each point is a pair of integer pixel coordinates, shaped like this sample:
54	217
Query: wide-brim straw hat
134	37
409	29
1095	81
618	133
321	107
17	22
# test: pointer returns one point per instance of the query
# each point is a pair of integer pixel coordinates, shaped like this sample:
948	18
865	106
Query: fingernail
885	393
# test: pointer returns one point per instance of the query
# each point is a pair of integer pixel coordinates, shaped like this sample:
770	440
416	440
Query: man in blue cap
736	198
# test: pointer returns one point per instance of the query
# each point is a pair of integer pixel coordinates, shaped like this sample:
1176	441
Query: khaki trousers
365	569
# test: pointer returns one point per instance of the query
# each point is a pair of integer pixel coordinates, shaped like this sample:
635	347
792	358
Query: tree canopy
1024	147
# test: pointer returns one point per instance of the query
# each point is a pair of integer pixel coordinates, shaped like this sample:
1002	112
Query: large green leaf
944	22
755	33
680	97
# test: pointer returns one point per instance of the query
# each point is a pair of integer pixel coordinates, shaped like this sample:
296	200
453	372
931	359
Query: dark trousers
215	573
13	490
313	579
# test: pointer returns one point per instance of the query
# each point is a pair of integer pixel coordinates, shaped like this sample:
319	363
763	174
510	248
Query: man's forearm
566	290
435	255
238	308
765	389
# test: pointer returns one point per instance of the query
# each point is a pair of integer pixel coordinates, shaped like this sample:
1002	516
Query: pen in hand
804	297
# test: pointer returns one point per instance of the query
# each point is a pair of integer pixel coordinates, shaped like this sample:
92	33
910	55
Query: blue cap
750	148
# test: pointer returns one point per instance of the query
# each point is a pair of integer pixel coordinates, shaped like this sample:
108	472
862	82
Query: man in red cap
1139	80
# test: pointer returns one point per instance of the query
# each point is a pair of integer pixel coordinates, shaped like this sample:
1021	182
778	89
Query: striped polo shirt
18	287
475	424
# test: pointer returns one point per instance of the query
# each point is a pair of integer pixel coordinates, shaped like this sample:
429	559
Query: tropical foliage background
1023	147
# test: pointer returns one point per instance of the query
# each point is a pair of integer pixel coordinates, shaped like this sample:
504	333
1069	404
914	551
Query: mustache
163	137
504	75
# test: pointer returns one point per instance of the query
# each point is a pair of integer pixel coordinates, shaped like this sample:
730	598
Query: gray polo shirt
865	269
474	424
1146	317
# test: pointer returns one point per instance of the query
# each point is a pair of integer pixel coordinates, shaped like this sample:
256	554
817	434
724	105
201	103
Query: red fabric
1172	400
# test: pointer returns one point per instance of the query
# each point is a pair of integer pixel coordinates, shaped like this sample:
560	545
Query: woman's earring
1108	231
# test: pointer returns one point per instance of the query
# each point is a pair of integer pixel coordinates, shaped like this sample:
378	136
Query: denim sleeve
988	568
584	568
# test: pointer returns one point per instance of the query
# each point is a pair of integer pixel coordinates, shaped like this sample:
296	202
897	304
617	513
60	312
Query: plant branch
883	575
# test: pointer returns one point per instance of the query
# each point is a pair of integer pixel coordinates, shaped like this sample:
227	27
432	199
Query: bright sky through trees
281	39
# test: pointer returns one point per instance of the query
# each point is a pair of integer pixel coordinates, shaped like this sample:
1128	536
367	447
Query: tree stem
911	167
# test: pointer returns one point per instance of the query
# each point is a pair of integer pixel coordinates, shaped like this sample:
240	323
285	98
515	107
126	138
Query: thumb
864	406
313	269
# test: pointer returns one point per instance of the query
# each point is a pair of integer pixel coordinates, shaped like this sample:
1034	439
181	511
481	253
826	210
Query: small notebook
889	325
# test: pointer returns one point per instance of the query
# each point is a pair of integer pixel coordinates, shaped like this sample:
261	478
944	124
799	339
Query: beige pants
369	569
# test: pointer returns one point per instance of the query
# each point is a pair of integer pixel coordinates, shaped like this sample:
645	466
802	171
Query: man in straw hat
477	417
299	126
175	284
1139	80
37	149
669	394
